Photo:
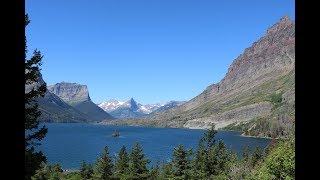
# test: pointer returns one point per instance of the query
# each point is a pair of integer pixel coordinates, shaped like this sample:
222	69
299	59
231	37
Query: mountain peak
70	92
285	19
131	108
133	104
283	23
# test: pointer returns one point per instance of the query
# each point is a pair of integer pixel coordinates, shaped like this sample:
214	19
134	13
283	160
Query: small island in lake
115	134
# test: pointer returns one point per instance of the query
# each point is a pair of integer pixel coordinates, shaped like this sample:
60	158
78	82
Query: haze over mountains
256	96
132	109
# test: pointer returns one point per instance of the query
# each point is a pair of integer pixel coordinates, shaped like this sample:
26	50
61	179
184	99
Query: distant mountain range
70	102
132	109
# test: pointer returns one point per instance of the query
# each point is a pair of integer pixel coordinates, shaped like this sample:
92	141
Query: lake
70	143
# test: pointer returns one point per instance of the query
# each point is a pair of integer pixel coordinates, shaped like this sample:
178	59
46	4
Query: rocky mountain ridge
77	96
70	92
256	96
54	109
132	109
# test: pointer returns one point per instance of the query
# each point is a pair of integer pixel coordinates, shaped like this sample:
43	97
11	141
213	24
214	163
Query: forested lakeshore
212	160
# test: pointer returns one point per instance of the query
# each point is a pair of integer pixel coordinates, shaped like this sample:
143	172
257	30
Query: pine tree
212	161
154	173
104	166
86	171
89	171
122	163
202	163
199	165
207	141
220	159
166	171
138	163
181	162
33	134
48	172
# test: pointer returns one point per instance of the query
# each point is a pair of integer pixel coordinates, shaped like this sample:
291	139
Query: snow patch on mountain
115	105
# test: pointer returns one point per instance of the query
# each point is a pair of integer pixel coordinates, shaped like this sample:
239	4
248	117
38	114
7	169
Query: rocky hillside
256	96
77	96
132	109
54	109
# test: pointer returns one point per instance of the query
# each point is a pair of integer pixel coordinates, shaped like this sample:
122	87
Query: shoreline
262	137
105	124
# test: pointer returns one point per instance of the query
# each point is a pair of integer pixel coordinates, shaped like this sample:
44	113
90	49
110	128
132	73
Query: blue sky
151	50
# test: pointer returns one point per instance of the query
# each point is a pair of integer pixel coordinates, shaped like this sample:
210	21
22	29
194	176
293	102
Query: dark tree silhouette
36	88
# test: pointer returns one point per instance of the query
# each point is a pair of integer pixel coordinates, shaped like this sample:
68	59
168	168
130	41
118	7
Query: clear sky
151	50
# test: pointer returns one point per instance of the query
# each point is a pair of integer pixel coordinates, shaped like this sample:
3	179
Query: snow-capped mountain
149	108
131	108
112	105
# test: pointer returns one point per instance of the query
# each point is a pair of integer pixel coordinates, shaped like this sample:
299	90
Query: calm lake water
70	143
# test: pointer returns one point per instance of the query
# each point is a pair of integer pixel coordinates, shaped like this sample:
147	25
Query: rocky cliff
71	93
77	96
54	109
256	96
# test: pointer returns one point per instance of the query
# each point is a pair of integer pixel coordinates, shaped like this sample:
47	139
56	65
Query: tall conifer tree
181	162
122	163
138	163
104	166
33	134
